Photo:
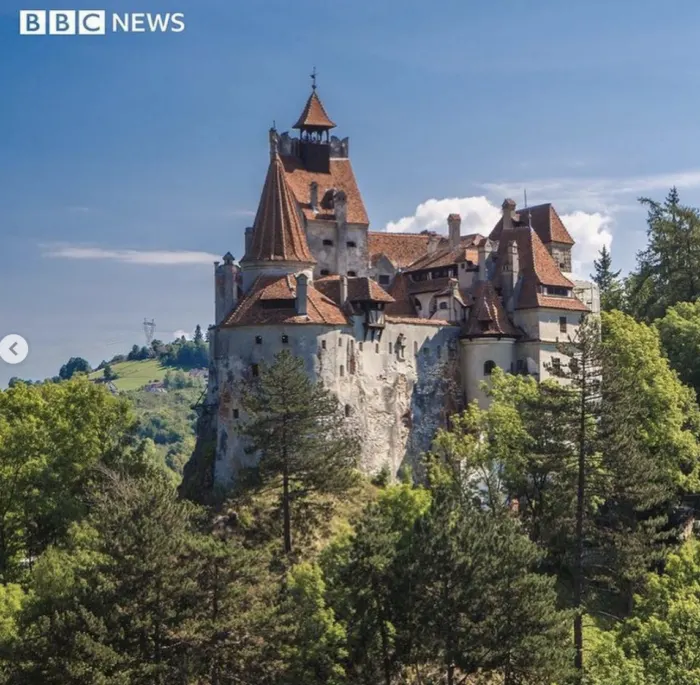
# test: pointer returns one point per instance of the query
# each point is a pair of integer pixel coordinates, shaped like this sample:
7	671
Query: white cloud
143	257
182	333
590	230
478	216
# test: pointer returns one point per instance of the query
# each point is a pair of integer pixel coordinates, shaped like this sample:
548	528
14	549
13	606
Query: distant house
199	373
155	386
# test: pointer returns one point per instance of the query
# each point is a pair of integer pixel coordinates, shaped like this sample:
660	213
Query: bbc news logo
96	22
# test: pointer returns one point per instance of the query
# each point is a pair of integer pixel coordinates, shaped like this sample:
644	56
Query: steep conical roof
314	115
277	232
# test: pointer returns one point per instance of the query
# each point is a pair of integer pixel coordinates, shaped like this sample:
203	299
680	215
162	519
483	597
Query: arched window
489	366
348	410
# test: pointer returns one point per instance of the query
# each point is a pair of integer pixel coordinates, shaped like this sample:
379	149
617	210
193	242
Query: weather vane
313	79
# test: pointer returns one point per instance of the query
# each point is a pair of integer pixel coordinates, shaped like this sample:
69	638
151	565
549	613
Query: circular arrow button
13	349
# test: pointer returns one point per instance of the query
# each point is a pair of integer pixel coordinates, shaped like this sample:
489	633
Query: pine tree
668	269
608	281
304	443
478	605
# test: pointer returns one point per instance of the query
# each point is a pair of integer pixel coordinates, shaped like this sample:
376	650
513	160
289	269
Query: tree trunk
580	491
285	508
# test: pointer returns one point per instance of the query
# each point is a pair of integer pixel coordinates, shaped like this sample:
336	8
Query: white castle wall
475	354
395	401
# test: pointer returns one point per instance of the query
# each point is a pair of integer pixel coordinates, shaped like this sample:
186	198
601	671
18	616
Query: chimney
484	252
248	239
340	209
340	206
226	287
433	242
510	275
454	225
343	290
313	196
302	293
508	208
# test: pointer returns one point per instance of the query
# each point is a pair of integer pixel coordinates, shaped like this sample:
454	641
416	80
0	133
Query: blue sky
121	155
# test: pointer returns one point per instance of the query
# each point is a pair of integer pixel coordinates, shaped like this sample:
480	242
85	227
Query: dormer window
325	272
351	243
352	274
328	243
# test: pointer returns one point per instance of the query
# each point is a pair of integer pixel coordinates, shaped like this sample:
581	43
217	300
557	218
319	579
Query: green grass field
134	375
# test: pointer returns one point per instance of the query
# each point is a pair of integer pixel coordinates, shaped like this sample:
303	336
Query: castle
401	327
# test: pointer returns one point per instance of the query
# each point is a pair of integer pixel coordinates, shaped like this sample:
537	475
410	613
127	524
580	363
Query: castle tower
277	246
314	127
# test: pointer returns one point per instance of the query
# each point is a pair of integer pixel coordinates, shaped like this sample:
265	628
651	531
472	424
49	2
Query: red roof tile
341	177
360	289
545	222
487	316
314	115
277	231
401	249
402	305
252	310
537	268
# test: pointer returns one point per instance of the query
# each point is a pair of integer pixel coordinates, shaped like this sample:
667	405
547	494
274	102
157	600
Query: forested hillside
551	541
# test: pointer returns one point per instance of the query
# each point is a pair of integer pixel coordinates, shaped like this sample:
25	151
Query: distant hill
132	375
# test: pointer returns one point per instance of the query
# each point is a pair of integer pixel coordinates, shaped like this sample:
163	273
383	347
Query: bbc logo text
97	22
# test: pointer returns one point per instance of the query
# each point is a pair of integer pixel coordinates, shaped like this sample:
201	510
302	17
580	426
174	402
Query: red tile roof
314	115
545	222
537	268
252	310
446	256
341	177
402	305
360	289
401	249
277	231
487	316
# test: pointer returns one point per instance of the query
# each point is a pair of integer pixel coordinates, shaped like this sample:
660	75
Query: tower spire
313	79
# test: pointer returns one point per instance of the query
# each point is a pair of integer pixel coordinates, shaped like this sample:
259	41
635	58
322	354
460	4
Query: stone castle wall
393	391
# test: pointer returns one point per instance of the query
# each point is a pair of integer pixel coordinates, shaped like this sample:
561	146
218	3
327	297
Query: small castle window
390	348
235	413
352	274
562	324
285	339
489	366
556	364
417	304
376	347
255	370
348	410
342	370
573	365
328	243
258	339
443	305
384	280
426	350
415	347
351	243
324	272
323	344
439	351
340	342
359	346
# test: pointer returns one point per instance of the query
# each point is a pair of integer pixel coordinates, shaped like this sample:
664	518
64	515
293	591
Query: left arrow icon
13	349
